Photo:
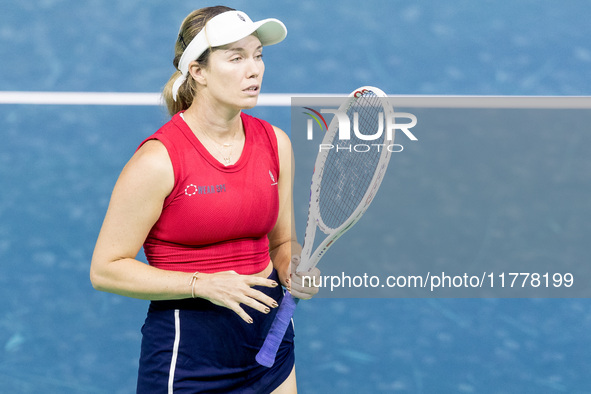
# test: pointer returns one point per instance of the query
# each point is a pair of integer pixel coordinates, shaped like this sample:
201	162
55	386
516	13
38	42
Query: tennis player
209	198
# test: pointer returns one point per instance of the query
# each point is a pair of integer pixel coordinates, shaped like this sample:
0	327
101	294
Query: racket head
346	179
320	209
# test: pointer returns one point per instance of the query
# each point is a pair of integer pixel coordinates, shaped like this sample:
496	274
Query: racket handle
266	356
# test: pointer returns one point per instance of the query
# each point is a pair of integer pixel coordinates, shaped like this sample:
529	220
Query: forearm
132	278
281	255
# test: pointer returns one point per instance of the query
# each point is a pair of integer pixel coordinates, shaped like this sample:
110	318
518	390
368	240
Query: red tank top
217	218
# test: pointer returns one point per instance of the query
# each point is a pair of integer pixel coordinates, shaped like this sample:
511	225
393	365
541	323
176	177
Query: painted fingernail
250	321
274	304
267	310
274	284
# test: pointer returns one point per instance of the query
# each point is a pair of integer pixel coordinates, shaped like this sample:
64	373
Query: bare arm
283	244
136	204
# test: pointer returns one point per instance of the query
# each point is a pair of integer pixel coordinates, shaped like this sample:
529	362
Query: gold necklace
227	159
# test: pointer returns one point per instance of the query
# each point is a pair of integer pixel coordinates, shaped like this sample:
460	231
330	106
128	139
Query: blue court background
58	165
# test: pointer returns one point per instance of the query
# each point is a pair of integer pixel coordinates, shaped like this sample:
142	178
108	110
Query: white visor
225	28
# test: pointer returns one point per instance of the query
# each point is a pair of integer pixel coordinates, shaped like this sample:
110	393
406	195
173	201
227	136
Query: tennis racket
345	181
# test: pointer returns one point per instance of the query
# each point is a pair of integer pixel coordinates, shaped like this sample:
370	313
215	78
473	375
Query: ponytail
184	97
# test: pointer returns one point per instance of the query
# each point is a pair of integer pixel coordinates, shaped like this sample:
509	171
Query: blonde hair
190	27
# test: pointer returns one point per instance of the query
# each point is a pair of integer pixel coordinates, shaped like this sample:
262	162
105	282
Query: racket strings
351	164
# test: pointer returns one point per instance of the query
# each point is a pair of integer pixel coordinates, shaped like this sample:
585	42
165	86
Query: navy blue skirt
194	346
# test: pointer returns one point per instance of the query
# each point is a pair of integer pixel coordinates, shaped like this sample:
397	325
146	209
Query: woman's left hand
297	286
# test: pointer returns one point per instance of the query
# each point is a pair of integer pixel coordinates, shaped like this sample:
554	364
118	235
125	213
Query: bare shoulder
153	156
152	152
151	166
283	141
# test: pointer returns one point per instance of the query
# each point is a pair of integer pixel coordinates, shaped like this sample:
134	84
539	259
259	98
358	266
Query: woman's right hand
230	290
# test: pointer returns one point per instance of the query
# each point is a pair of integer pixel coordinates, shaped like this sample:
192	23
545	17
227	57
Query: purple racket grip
266	356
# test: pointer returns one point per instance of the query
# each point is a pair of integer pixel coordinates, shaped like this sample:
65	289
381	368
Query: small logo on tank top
274	182
192	189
